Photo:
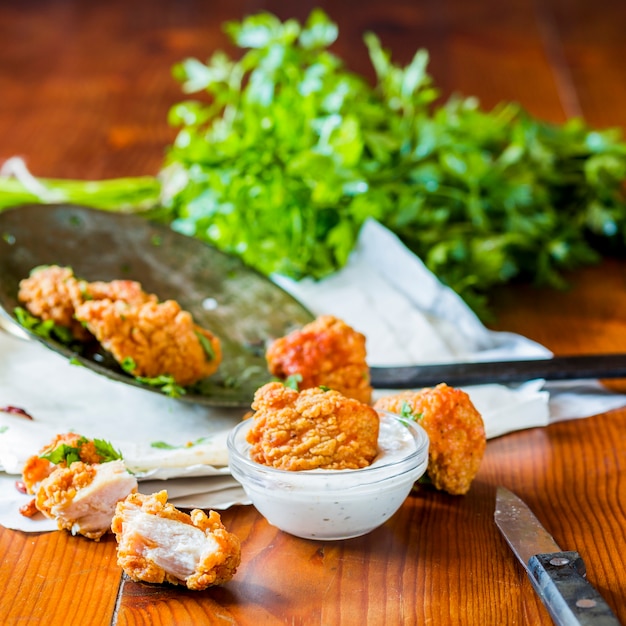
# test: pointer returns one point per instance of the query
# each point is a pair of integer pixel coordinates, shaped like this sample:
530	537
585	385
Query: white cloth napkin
385	291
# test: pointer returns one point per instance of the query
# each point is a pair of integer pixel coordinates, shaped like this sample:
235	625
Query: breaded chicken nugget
327	352
158	543
313	428
51	293
455	429
82	497
158	338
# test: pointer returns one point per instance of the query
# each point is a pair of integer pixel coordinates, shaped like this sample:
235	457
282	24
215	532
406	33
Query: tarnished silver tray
244	308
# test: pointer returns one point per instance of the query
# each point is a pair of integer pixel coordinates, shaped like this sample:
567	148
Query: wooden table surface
84	92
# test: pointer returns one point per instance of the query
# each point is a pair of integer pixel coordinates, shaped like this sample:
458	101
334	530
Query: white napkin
62	397
386	292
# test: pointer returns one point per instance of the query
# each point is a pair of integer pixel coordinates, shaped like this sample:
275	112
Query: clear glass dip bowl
334	504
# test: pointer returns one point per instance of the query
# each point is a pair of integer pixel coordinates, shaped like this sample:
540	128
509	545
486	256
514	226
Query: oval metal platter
241	306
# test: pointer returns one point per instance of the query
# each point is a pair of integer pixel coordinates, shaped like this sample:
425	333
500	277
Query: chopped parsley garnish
46	329
163	445
166	384
70	454
128	364
206	346
407	414
293	381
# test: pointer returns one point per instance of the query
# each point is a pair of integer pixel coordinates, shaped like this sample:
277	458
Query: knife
558	577
557	368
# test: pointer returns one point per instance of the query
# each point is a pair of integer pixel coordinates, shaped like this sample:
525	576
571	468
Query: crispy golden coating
51	293
455	429
34	471
82	497
327	352
158	543
29	509
311	429
160	338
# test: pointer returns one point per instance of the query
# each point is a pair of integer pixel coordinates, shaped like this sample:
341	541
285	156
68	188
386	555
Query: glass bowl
334	504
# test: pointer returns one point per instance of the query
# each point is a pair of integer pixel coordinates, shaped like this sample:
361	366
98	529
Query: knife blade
587	366
559	577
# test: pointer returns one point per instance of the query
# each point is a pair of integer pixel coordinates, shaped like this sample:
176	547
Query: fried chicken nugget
327	352
82	497
313	428
455	429
159	337
51	293
158	543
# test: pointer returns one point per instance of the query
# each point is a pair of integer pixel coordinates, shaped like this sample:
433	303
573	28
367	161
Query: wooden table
84	93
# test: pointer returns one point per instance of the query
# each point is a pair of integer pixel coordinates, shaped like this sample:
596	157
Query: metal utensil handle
559	579
588	366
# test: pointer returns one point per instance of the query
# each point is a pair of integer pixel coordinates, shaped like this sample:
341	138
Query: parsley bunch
291	152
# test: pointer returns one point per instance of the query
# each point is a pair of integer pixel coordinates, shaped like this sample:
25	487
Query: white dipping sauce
335	504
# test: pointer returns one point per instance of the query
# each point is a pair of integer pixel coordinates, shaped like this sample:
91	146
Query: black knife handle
559	578
587	366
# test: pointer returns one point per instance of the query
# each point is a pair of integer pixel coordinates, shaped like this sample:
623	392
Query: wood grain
86	87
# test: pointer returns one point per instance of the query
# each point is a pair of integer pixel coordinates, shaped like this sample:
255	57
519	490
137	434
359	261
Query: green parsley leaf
206	346
46	329
165	382
62	453
70	454
106	450
162	445
128	364
407	414
293	381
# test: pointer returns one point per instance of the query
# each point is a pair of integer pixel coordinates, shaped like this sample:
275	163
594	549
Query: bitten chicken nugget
51	293
313	428
77	482
158	543
455	429
327	352
158	338
82	497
